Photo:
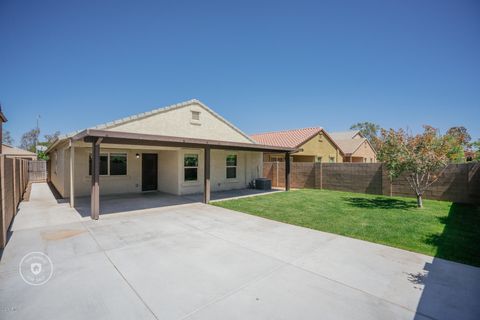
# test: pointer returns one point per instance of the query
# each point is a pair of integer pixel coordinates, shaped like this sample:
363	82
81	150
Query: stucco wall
170	172
321	146
57	158
365	151
178	122
249	167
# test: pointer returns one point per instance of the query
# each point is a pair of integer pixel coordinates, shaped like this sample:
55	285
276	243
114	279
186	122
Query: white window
331	159
319	159
231	162
190	167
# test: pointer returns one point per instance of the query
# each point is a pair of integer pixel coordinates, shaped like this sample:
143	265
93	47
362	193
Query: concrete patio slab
292	293
197	261
86	287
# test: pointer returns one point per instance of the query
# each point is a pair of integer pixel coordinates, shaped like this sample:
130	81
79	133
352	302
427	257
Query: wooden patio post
95	193
206	178
287	171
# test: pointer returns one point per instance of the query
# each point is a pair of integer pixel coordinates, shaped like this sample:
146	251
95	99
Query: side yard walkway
196	261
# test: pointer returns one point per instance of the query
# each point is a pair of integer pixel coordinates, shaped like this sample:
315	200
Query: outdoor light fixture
138	156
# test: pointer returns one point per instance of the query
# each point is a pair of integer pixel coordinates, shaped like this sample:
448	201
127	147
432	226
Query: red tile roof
289	138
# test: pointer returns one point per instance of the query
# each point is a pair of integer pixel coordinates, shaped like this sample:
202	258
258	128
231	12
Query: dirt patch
61	234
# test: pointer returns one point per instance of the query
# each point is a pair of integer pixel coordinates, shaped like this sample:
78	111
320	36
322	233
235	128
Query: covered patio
153	200
96	138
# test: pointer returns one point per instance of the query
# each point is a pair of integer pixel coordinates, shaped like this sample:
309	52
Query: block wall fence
458	183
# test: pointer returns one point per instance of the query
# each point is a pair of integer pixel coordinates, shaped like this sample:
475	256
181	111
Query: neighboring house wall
319	148
179	123
364	153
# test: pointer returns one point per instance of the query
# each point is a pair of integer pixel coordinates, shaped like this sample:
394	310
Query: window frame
227	166
190	167
331	159
108	164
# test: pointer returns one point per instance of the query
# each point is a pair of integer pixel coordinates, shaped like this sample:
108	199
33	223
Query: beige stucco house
312	145
355	147
180	149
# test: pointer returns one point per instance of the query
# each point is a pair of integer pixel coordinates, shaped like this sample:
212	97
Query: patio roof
97	137
117	137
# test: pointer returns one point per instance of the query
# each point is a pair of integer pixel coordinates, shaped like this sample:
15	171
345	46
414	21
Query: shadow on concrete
451	290
56	194
150	200
130	202
380	203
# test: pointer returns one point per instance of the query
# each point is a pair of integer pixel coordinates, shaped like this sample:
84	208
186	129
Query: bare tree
7	138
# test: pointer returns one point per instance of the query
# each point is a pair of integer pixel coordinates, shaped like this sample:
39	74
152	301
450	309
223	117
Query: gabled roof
151	113
14	151
288	138
349	146
344	135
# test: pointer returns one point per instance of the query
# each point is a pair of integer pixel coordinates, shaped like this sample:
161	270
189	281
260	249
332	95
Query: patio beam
95	191
206	176
287	171
116	137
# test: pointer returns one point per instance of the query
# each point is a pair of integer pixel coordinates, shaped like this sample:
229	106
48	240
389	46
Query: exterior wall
321	146
179	123
249	167
170	172
365	152
58	169
318	146
130	183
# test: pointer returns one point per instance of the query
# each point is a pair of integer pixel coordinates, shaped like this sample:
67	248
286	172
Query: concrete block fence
458	183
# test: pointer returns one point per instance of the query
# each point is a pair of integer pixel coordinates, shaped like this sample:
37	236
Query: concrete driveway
195	261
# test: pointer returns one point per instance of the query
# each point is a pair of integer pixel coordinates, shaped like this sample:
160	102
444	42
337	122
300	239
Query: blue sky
264	66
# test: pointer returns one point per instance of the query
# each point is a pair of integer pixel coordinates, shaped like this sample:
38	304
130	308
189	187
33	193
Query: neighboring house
313	144
180	149
355	147
13	152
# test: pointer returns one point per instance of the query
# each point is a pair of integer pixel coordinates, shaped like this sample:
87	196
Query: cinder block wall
458	183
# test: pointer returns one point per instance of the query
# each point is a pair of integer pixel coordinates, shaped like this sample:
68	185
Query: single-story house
312	145
13	152
355	147
181	149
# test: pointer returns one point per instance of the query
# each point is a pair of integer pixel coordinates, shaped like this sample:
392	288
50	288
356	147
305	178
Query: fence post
321	176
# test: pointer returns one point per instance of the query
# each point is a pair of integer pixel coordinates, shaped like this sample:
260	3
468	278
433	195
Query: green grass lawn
441	229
